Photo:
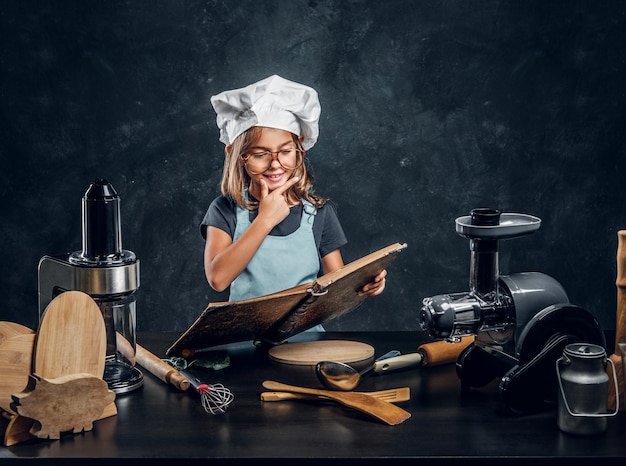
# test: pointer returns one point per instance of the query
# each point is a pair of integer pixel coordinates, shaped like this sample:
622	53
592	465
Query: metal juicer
521	321
106	272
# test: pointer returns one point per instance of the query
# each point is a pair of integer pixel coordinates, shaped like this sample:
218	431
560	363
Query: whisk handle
195	383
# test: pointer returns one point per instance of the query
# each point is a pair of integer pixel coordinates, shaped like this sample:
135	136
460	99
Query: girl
268	231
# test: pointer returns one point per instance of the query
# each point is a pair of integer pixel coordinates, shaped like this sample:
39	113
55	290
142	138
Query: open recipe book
277	316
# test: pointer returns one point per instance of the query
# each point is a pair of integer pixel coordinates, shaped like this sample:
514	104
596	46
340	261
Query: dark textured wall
429	109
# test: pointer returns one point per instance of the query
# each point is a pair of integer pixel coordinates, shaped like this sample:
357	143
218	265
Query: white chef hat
274	102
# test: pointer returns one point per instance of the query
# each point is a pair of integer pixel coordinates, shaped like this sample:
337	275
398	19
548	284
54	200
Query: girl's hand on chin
274	205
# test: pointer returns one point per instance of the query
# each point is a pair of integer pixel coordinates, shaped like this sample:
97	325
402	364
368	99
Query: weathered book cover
277	316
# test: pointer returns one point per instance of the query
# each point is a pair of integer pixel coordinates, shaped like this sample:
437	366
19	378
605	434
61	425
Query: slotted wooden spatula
392	395
381	410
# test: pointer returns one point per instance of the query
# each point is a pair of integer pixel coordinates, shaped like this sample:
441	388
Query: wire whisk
215	398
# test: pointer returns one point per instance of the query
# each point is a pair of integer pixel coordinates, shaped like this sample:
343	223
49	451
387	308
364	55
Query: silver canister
583	389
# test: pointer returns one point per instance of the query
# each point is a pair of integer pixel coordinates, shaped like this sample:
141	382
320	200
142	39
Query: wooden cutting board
16	355
71	337
11	329
69	351
309	353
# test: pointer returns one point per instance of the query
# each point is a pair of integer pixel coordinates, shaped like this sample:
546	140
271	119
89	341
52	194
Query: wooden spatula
381	410
392	395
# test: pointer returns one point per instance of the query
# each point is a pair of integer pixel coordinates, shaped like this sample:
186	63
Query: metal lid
584	350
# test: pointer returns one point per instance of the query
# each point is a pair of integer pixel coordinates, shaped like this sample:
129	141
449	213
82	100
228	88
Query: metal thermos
583	389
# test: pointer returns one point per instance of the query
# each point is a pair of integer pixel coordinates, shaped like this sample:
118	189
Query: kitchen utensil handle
620	325
398	362
441	352
280	396
620	282
387	355
282	387
161	369
433	353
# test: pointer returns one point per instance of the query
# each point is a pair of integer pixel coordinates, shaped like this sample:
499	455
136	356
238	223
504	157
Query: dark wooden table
163	424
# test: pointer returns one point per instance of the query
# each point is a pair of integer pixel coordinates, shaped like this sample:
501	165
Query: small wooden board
71	338
11	329
16	355
17	343
68	356
67	403
308	353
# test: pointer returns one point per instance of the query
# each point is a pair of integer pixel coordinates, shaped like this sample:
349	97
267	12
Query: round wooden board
308	353
11	329
16	356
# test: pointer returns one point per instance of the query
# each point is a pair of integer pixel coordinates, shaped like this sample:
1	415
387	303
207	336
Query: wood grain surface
311	352
16	355
620	326
381	410
71	337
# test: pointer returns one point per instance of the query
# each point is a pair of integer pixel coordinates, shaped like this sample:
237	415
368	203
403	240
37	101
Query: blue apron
281	262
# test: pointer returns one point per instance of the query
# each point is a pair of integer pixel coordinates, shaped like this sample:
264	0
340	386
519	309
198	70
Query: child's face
271	140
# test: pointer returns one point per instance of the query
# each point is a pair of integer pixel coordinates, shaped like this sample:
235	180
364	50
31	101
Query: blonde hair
235	179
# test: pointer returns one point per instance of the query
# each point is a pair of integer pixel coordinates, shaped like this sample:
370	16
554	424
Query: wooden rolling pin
620	326
151	363
161	369
435	353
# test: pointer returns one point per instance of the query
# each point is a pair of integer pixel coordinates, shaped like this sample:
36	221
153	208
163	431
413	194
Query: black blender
106	272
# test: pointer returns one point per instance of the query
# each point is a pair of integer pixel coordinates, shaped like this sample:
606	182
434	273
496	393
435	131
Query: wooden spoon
381	410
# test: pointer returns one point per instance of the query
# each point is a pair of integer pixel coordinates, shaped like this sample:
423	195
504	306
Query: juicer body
520	321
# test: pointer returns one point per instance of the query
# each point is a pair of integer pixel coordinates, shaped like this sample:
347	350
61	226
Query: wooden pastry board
308	353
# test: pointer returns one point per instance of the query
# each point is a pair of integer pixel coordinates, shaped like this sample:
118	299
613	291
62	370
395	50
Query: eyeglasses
260	162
